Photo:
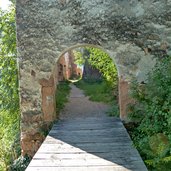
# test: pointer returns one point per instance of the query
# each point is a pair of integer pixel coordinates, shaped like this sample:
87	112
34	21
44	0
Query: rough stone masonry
135	33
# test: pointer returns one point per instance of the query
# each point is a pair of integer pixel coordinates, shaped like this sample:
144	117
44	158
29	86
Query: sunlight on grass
101	92
62	93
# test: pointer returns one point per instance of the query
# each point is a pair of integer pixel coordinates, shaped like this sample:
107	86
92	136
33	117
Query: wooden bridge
89	143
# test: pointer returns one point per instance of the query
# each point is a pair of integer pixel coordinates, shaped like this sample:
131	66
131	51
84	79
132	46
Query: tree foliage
8	65
79	56
100	60
9	100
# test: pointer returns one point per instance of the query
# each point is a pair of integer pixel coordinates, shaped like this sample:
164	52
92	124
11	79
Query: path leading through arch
86	139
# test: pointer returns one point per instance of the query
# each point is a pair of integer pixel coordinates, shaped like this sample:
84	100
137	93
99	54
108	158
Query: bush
152	110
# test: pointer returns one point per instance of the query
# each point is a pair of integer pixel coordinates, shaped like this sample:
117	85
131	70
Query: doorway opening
91	69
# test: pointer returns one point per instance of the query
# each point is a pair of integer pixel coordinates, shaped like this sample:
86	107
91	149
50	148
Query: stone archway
133	32
123	88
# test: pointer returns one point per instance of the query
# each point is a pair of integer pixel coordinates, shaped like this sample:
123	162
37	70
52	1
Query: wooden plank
81	163
88	127
87	146
94	149
109	156
88	131
89	122
92	120
112	134
79	126
74	142
120	160
102	168
93	139
112	156
72	163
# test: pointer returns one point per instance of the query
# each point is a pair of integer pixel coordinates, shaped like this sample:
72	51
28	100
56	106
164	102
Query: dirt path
79	106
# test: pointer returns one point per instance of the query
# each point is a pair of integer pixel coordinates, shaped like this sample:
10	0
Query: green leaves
9	100
8	65
99	60
102	61
78	57
154	101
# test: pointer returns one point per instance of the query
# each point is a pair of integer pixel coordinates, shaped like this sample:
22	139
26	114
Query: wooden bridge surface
90	143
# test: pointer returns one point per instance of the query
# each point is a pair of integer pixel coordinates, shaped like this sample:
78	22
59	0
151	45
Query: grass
62	93
97	91
100	92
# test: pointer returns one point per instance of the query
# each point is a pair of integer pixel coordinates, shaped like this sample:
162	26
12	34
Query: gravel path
79	106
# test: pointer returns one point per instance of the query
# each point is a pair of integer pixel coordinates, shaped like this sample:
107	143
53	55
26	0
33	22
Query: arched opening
48	102
83	131
72	65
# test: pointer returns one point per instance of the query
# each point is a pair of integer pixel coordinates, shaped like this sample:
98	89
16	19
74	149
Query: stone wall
136	33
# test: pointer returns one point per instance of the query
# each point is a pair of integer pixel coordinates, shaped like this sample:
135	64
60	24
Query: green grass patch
97	91
62	92
101	92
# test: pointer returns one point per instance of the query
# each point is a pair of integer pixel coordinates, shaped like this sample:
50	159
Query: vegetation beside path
62	92
151	115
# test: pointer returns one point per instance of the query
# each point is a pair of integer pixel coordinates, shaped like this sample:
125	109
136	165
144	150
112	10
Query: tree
8	64
99	60
102	61
9	100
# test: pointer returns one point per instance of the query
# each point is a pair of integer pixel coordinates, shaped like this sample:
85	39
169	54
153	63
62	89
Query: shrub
152	110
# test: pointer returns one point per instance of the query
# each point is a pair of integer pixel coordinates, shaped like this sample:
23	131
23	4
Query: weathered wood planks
87	144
